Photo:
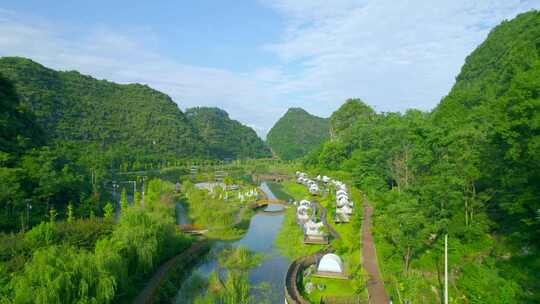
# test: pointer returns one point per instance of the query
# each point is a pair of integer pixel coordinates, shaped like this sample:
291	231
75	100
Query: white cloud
393	54
119	57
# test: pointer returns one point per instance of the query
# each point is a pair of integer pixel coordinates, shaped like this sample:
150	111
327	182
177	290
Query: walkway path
377	293
146	296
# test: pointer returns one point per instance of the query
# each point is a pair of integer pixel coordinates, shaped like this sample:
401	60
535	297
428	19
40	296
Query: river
259	238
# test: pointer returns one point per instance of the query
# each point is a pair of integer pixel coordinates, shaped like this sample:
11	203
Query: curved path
146	296
375	285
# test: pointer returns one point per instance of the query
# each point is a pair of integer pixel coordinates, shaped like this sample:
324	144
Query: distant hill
297	133
117	120
225	137
350	113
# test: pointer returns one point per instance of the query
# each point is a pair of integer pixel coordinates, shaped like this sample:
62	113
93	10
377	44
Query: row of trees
91	260
469	168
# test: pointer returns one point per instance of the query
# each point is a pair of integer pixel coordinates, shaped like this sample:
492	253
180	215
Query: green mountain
225	137
18	129
297	133
352	111
493	112
130	121
470	169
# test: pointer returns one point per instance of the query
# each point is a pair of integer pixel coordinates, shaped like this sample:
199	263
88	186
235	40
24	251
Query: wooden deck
322	240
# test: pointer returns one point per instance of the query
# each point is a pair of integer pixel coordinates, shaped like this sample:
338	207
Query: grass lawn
333	288
290	242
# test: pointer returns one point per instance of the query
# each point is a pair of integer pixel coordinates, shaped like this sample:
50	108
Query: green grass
297	191
290	243
289	240
333	288
279	191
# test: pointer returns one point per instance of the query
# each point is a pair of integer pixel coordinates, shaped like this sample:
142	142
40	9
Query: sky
257	58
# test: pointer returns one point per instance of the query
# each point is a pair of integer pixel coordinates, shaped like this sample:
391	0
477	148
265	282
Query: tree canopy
297	133
225	137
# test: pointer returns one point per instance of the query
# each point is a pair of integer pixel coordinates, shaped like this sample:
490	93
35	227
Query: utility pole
142	186
446	269
115	187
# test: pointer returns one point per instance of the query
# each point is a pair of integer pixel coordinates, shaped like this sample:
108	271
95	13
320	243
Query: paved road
377	293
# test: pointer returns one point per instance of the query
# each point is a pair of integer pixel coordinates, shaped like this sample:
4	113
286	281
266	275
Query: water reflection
260	237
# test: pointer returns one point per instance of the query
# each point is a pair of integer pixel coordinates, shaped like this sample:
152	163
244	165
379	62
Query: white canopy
342	196
302	213
313	229
305	203
341	192
330	263
344	210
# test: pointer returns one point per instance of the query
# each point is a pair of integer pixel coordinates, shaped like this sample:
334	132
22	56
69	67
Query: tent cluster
305	217
325	179
302	178
344	206
304	212
247	195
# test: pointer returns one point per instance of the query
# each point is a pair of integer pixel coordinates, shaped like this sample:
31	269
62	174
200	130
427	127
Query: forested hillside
121	122
296	133
352	111
63	136
470	168
225	137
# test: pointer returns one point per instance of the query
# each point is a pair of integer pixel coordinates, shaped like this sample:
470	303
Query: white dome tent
303	213
313	229
314	233
330	265
341	192
314	189
305	203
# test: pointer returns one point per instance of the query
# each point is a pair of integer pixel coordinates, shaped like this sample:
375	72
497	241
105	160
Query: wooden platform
331	275
316	240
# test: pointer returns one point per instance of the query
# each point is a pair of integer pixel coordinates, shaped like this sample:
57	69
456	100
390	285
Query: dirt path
146	296
377	293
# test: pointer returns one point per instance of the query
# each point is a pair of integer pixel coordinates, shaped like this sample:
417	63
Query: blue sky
257	58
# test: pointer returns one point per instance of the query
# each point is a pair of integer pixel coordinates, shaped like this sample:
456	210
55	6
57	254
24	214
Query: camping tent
330	263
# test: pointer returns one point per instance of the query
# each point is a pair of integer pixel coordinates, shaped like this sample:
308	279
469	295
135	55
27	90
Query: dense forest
469	169
64	135
296	133
121	122
225	137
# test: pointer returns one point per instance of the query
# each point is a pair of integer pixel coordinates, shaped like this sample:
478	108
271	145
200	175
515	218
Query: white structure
343	201
341	192
345	210
326	179
313	229
303	213
314	234
314	189
330	263
305	203
342	196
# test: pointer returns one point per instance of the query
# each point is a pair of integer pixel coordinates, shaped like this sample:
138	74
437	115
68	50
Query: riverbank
259	236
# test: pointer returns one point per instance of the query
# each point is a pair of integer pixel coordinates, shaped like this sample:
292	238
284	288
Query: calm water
260	237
